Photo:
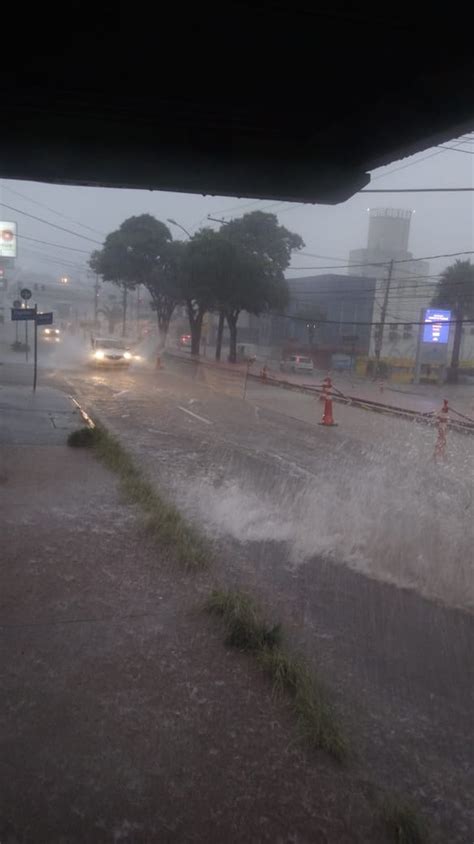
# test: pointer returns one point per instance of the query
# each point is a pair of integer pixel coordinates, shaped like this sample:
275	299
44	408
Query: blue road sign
44	319
23	313
436	327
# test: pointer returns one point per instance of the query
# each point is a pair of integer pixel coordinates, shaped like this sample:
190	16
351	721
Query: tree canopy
456	291
132	255
131	252
240	267
262	251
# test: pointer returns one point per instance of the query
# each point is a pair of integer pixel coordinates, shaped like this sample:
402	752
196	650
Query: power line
457	149
417	190
53	225
404	166
48	208
49	243
50	260
345	265
384	263
355	322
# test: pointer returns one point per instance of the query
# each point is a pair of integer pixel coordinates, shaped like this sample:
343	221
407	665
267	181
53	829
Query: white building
411	290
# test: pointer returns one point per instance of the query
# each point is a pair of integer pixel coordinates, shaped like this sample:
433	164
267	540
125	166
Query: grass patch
163	520
82	438
403	823
248	631
316	718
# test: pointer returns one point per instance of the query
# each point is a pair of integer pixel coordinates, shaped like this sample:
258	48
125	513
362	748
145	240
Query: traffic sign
23	313
44	319
17	303
25	293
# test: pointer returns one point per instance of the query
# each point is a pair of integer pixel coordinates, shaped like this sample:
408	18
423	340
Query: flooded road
351	536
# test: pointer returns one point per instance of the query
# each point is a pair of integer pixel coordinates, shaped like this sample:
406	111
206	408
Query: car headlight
99	354
137	357
127	355
47	331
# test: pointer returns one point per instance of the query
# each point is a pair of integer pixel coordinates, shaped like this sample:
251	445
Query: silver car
297	363
109	351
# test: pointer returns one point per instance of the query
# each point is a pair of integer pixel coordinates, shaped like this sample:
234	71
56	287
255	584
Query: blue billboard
436	326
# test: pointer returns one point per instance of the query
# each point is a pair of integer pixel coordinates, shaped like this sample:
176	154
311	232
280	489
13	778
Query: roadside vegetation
403	823
163	520
248	631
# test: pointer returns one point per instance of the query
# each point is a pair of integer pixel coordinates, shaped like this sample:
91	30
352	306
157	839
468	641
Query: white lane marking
190	412
122	393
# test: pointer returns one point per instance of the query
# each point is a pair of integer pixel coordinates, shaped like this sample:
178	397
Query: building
410	287
325	318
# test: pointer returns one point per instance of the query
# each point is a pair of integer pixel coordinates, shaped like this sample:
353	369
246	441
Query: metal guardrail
464	424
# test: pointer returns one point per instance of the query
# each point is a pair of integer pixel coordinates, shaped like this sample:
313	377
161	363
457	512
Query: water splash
399	519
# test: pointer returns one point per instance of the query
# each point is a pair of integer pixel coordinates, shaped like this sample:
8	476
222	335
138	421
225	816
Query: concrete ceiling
292	101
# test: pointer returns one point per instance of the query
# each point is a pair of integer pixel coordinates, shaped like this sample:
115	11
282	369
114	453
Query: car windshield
275	445
110	344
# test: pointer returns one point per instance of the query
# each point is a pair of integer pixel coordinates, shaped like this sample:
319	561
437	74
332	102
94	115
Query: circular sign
17	303
25	293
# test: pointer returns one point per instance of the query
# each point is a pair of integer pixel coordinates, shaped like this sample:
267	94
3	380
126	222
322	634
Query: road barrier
463	424
326	397
442	419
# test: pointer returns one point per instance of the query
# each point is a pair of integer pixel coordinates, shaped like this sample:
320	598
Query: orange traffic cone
442	425
326	397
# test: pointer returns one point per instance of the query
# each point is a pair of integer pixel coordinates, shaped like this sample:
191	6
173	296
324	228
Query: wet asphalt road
400	666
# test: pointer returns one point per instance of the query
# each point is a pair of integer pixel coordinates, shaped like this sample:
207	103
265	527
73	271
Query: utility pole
96	300
383	313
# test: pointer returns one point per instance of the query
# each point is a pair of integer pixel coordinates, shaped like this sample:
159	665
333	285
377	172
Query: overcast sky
442	222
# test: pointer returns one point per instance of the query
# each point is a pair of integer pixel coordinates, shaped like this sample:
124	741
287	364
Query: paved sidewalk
41	418
123	717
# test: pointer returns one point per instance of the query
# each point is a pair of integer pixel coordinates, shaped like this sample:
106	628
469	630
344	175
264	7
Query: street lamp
174	223
64	279
311	327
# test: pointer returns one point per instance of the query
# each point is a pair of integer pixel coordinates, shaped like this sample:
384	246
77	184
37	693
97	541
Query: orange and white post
326	397
442	420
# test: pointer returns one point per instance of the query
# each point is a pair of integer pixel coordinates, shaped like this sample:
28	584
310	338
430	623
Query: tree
165	286
131	254
112	313
262	253
202	274
456	291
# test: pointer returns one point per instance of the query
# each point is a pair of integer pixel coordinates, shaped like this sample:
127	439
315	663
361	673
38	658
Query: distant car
110	351
297	363
184	341
50	335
